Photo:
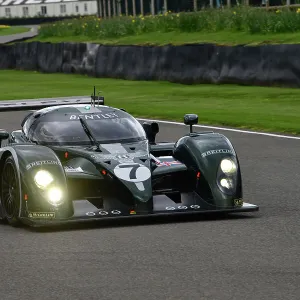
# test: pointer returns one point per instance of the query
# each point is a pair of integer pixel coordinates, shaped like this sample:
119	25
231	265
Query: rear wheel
10	193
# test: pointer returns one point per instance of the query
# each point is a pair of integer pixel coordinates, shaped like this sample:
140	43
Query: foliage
238	19
9	30
4	27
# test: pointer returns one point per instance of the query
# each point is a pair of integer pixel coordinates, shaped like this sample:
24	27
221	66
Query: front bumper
85	213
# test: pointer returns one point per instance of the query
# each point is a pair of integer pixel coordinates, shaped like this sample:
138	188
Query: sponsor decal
195	206
119	153
182	207
102	213
94	116
73	170
90	214
238	202
212	152
167	163
121	158
133	212
170	208
41	215
133	172
42	162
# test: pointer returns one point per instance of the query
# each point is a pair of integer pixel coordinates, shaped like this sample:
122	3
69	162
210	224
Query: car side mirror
190	119
151	130
4	135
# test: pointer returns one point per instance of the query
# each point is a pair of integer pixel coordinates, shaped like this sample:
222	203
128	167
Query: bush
243	19
4	27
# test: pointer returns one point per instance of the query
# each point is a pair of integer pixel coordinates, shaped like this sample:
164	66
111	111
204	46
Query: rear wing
35	104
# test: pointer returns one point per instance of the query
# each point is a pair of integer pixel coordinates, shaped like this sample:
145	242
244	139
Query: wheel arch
6	152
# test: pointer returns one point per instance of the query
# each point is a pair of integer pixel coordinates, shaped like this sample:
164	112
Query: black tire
10	192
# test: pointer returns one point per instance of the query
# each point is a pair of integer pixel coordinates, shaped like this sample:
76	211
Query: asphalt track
20	36
252	256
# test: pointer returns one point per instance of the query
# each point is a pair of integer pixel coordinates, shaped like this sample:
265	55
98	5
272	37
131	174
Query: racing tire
10	192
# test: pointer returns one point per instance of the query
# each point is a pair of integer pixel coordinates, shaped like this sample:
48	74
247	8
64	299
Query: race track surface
15	37
254	256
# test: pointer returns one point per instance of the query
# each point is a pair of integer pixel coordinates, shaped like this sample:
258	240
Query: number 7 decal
134	172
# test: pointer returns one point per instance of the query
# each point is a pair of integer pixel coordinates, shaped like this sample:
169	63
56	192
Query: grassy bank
175	38
242	25
7	30
259	108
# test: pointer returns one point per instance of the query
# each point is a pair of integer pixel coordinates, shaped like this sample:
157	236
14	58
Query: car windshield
125	129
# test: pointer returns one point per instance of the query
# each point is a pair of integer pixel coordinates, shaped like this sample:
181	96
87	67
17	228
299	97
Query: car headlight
227	183
43	178
228	166
55	196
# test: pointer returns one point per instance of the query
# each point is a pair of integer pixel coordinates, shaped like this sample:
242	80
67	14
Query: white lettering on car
94	116
42	162
211	152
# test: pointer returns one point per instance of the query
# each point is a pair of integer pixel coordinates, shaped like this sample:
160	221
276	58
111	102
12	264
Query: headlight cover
228	166
227	176
226	182
55	196
43	178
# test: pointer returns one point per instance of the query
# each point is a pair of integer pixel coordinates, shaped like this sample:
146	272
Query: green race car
78	160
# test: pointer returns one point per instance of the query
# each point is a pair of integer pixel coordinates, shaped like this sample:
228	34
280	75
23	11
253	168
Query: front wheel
10	192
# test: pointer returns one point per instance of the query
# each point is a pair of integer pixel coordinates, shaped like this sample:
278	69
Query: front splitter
118	215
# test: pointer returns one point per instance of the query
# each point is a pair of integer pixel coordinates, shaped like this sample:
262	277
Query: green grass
13	30
175	38
258	108
239	25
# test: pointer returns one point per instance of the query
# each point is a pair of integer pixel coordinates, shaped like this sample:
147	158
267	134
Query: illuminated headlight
228	166
43	179
54	196
226	183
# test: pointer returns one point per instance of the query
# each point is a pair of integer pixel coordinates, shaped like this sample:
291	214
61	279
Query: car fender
30	158
204	153
4	153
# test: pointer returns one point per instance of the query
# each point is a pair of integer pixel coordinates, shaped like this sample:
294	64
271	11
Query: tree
133	8
165	5
152	8
119	7
195	5
99	8
126	7
142	6
114	8
109	8
104	8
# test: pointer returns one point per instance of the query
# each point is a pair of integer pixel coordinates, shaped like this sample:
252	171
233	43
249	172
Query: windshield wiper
89	133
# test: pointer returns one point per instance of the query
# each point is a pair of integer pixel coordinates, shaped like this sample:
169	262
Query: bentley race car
79	160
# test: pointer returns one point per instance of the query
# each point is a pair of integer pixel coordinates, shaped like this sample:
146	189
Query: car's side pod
213	159
29	160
